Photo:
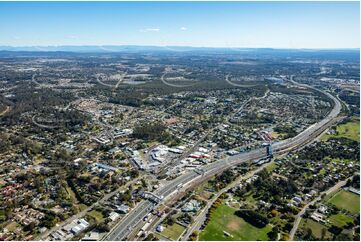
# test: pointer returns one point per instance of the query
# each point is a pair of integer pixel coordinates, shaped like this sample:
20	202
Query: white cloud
183	28
150	30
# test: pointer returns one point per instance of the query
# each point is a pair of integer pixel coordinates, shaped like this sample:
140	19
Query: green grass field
338	160
346	200
271	167
12	226
223	219
340	219
82	207
316	228
350	130
97	215
173	232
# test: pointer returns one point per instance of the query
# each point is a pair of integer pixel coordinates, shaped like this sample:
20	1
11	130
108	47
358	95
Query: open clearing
97	215
12	226
350	130
346	200
340	219
224	220
173	232
316	228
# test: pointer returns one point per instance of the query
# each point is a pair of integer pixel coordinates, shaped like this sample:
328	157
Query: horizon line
178	46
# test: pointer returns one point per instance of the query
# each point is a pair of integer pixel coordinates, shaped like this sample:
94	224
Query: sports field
223	220
346	200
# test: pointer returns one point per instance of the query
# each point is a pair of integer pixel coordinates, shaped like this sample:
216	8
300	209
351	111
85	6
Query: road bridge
152	197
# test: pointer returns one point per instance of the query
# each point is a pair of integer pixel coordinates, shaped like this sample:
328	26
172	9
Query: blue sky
211	24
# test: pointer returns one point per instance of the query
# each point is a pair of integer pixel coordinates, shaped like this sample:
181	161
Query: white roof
76	229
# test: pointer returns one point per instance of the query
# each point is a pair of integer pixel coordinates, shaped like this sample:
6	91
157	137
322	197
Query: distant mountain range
135	48
104	48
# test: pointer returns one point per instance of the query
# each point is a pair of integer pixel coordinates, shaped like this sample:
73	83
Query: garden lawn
224	219
173	232
346	200
340	219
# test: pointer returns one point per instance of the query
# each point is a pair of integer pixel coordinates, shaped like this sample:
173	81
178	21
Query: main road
124	227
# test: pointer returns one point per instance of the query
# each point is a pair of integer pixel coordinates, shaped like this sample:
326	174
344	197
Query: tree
308	235
134	173
153	131
285	237
194	236
335	230
103	227
343	237
274	212
170	221
151	237
288	226
49	221
144	183
253	217
30	227
273	234
323	233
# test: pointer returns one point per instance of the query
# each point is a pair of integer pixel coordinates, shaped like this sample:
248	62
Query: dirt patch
7	109
205	195
233	225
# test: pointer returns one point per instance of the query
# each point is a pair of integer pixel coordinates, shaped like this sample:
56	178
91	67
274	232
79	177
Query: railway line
132	220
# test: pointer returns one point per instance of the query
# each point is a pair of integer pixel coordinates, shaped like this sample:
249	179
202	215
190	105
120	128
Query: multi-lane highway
124	227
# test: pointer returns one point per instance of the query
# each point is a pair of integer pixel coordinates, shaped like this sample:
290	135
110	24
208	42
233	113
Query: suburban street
304	209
